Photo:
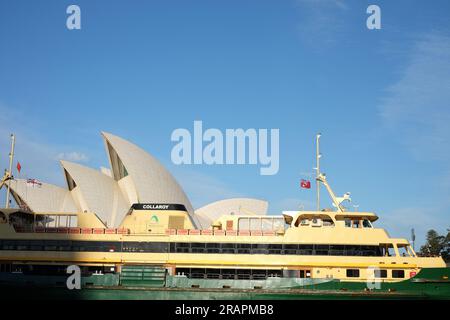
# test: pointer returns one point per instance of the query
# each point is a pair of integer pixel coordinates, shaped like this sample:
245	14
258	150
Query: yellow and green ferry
157	253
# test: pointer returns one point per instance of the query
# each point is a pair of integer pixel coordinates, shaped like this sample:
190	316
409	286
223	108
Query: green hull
146	284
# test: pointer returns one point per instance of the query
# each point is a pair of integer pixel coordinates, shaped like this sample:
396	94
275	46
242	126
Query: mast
321	178
318	155
11	159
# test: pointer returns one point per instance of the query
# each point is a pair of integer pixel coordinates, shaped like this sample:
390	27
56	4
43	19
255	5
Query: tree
446	250
436	245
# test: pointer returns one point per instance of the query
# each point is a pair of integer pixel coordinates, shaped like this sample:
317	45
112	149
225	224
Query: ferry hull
430	283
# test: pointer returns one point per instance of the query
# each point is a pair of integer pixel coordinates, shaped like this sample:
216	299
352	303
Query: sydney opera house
134	177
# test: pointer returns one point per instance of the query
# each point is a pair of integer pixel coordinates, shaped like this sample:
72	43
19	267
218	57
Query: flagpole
11	157
318	170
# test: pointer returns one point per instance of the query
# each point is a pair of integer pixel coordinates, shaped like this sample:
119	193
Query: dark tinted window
353	273
398	273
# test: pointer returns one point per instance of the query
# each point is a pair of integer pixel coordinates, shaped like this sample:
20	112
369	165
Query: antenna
11	159
318	156
321	178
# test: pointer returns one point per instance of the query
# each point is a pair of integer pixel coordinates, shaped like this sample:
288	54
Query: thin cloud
73	156
416	108
37	157
322	22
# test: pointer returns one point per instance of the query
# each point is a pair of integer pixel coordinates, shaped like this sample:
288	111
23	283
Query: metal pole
318	170
11	158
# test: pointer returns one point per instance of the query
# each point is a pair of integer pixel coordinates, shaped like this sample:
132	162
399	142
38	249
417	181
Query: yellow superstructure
314	244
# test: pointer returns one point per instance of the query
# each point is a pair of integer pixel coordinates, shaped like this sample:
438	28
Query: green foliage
437	245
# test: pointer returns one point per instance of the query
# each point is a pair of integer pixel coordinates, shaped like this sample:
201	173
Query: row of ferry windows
229	274
294	249
263	274
378	273
191	247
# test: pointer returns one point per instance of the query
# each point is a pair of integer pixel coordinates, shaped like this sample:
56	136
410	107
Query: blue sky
144	68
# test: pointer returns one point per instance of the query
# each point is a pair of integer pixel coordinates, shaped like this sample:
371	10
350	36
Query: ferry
158	253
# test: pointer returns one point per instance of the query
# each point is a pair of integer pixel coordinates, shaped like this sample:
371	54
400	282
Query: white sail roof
151	182
134	177
42	197
96	192
237	206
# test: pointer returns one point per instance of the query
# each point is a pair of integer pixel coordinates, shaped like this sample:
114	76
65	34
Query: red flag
18	166
305	184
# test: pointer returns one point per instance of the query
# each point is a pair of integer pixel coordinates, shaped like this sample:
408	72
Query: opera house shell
134	177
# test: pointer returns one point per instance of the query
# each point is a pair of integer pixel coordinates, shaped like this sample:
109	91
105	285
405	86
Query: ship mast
321	178
9	173
318	155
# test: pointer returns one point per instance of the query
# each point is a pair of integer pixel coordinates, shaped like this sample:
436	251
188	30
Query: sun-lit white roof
42	197
151	182
238	206
99	193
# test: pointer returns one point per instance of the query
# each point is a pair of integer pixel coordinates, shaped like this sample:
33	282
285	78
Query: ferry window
243	248
305	273
244	224
228	247
36	245
267	224
355	223
64	246
181	247
63	221
305	249
353	273
50	221
279	224
213	247
337	250
398	273
321	250
255	224
243	274
380	273
387	250
290	248
198	273
183	272
274	273
348	223
228	273
73	221
212	273
198	247
403	251
259	248
367	224
259	274
328	222
275	248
